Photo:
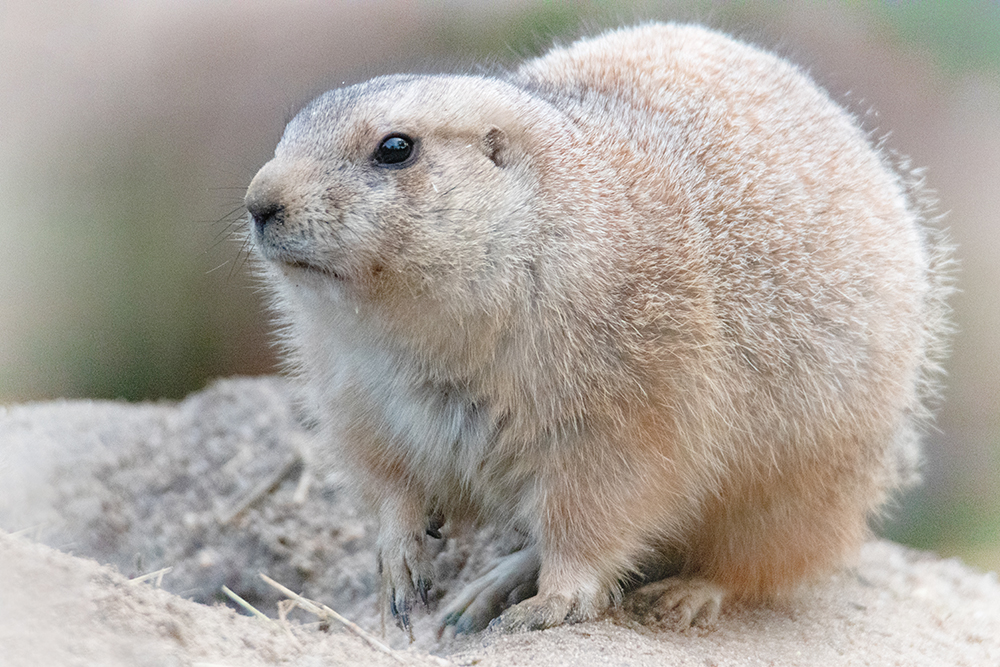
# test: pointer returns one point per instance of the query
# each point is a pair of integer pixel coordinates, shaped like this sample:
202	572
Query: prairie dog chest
379	403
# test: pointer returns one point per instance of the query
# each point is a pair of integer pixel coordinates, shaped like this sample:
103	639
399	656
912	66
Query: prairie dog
651	299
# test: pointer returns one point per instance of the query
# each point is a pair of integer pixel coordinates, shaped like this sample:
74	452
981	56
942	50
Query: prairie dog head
407	187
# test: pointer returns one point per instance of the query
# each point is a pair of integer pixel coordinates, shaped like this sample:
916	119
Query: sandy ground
214	488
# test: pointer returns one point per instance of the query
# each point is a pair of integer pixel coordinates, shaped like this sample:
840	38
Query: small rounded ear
495	146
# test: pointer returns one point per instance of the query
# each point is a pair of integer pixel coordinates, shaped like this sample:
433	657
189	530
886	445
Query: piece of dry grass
245	605
261	615
325	613
265	486
156	576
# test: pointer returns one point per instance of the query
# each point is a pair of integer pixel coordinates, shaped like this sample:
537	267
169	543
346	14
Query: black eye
394	150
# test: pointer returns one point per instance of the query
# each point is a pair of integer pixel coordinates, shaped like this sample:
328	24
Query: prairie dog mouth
299	265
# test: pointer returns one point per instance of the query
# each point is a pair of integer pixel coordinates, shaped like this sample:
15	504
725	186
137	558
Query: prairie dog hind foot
677	602
505	600
510	579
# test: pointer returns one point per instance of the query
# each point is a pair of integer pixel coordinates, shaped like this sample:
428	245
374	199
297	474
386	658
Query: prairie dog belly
652	298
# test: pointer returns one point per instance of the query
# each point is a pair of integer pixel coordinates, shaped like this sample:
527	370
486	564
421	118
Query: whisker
219	267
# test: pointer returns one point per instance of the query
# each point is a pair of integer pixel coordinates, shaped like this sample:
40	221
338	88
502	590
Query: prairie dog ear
496	146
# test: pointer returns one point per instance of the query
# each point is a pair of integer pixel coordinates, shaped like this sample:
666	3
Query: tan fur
652	296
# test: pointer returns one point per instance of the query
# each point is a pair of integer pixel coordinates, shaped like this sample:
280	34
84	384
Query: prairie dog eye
394	151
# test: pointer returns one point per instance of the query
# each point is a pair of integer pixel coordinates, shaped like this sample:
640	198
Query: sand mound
212	487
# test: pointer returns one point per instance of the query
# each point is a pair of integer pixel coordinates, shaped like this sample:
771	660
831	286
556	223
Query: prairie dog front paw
406	573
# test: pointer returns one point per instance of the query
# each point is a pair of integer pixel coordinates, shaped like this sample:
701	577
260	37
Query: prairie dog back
651	299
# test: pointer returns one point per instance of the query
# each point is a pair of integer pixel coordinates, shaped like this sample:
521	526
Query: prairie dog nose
265	196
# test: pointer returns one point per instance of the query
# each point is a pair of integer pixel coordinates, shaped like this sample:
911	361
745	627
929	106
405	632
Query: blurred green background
129	130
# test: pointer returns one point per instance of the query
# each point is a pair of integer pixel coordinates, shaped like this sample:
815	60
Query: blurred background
129	131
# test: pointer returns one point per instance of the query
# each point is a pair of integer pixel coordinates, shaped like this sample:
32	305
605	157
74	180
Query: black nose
264	212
